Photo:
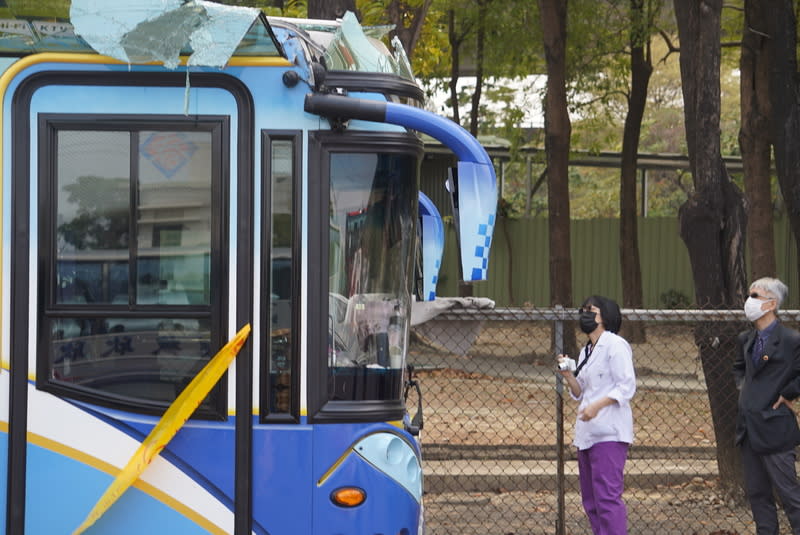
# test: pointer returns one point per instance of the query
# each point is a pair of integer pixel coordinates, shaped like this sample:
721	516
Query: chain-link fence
498	423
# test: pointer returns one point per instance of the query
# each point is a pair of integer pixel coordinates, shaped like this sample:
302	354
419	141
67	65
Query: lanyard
587	350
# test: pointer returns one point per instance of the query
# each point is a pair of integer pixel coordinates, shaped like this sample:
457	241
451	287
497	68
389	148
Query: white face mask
752	308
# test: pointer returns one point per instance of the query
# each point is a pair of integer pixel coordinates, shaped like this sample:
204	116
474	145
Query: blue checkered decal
477	201
432	234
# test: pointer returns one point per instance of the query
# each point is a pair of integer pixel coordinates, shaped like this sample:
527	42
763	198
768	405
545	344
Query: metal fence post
559	348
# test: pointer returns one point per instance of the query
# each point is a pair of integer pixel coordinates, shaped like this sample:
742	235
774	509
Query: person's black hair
609	311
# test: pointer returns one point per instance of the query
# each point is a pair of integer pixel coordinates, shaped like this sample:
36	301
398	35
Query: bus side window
280	201
131	239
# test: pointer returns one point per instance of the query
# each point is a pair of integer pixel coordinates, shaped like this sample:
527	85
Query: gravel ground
698	512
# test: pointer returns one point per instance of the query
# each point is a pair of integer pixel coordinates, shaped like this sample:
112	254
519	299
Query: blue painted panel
388	508
282	480
211	464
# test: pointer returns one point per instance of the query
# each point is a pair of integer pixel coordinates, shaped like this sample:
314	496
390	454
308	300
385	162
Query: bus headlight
394	457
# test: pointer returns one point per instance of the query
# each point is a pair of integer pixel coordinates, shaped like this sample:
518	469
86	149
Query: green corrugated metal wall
523	267
786	258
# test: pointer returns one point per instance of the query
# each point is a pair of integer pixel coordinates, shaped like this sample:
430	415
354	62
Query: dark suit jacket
777	373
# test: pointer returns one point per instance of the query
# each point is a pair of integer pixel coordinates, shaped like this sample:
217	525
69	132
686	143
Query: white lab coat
607	373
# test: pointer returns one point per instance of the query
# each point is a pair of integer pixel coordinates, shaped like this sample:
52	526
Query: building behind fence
498	425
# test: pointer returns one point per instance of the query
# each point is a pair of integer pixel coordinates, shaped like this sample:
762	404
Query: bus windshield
373	209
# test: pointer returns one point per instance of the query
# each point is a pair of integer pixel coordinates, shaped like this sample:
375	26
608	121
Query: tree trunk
399	14
330	9
479	50
754	145
557	129
641	69
712	221
782	27
455	58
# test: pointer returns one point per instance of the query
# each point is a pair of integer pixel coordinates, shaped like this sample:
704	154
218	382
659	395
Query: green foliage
431	52
597	133
39	9
513	40
594	192
598	56
674	299
373	13
667	191
291	8
431	55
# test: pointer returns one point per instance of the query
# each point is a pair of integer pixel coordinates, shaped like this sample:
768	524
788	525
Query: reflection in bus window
281	166
93	211
372	213
133	230
173	227
153	358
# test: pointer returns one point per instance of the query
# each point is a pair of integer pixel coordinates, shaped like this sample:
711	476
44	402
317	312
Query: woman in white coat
603	382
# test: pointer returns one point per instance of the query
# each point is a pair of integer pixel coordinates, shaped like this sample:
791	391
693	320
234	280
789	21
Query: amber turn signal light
348	496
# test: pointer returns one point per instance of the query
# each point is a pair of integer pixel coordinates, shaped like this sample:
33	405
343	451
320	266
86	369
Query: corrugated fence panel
519	274
449	273
532	271
595	259
786	261
666	270
432	183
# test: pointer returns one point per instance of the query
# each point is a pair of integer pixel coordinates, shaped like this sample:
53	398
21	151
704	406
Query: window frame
49	124
268	137
321	145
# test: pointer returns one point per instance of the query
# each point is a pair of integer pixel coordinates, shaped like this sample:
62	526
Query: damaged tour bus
211	234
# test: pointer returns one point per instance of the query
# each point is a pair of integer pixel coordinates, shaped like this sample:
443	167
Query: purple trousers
600	471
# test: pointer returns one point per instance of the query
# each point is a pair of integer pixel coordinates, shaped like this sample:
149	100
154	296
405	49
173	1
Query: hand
588	412
568	363
782	401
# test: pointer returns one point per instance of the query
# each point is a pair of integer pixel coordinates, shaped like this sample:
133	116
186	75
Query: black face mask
587	321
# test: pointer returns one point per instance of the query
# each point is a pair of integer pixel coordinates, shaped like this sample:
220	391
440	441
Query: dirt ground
521	513
500	396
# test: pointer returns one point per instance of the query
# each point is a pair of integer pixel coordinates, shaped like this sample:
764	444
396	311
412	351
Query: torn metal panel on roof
354	48
160	30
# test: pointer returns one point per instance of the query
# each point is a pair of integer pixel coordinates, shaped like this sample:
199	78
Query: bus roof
28	29
343	45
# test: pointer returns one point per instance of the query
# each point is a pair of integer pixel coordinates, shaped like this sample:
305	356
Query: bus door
129	270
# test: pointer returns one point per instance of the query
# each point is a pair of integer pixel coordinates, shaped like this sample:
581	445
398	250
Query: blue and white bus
173	171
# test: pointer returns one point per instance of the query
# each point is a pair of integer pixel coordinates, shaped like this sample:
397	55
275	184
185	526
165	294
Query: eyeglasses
756	295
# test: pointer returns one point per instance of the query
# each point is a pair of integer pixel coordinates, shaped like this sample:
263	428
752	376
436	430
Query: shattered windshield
347	46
